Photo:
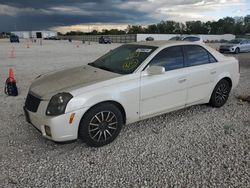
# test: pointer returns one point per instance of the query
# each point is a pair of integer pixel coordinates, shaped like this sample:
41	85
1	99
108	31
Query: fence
95	38
141	37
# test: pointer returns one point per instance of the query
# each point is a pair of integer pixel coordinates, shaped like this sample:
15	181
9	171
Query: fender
126	96
221	76
218	78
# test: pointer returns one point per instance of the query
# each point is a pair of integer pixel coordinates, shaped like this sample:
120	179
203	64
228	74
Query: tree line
236	25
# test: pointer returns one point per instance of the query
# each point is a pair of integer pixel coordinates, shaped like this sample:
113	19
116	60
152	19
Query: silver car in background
236	46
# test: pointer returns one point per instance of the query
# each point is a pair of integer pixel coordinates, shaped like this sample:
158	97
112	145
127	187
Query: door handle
213	72
181	80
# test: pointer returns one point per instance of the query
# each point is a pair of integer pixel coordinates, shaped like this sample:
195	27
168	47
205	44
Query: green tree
135	29
196	27
152	29
247	24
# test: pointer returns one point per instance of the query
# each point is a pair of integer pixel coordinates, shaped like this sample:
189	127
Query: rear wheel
220	93
101	125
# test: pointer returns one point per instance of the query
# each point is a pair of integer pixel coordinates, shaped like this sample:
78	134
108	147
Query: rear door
202	73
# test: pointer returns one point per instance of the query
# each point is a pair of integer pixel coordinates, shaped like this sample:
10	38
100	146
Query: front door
167	91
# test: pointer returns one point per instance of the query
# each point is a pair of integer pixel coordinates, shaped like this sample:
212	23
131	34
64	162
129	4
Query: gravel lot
195	147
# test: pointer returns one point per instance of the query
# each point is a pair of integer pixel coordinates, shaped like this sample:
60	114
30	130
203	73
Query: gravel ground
198	146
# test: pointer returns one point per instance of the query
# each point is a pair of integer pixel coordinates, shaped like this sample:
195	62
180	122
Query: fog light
47	130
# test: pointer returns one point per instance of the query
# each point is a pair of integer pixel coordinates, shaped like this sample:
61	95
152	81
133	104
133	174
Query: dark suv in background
105	40
14	38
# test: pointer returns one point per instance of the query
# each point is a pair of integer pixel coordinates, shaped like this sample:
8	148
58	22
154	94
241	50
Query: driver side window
171	58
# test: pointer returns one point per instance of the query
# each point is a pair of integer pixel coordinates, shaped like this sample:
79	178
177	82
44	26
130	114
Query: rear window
196	55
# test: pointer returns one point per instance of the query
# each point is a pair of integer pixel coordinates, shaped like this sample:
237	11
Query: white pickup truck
130	83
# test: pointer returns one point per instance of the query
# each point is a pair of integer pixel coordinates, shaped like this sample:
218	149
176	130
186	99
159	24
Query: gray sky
64	15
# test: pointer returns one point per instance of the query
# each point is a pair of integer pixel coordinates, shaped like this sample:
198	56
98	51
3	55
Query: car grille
224	50
32	103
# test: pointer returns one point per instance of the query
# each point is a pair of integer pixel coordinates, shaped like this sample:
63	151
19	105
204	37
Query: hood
66	80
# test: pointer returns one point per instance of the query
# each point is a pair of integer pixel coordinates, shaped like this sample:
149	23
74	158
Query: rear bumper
236	80
56	128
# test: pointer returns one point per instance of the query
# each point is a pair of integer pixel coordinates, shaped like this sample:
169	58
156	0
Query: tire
220	93
237	50
101	125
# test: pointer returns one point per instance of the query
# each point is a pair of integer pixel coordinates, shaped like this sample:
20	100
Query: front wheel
101	125
220	93
237	50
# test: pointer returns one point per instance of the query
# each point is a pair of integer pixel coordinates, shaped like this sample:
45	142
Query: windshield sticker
131	61
141	50
130	64
133	55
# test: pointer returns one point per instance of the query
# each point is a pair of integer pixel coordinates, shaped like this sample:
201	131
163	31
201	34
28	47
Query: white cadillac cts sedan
130	83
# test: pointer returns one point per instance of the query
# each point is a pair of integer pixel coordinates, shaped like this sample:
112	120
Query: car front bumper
56	128
229	50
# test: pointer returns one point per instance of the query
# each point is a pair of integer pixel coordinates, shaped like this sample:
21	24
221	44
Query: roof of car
160	43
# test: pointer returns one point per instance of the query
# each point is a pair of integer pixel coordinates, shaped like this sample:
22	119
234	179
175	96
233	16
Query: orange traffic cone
11	75
12	53
10	84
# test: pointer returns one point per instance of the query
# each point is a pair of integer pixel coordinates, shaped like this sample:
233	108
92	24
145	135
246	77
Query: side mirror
156	70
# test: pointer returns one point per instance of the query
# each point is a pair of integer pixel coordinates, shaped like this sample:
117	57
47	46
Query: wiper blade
93	65
105	68
101	67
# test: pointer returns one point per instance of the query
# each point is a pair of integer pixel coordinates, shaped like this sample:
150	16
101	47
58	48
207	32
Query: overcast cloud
47	14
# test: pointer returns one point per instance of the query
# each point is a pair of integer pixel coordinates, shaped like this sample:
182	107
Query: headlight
58	103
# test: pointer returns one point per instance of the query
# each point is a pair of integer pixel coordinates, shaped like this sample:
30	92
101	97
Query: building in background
34	34
21	34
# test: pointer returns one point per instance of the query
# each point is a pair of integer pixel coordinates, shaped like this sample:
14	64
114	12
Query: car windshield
234	41
124	59
191	39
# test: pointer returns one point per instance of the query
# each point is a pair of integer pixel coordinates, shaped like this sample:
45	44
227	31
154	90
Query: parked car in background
189	38
149	39
236	46
105	40
176	38
52	38
14	38
128	84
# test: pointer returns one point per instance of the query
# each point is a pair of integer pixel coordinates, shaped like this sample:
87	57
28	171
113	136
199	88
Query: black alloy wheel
220	94
101	125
